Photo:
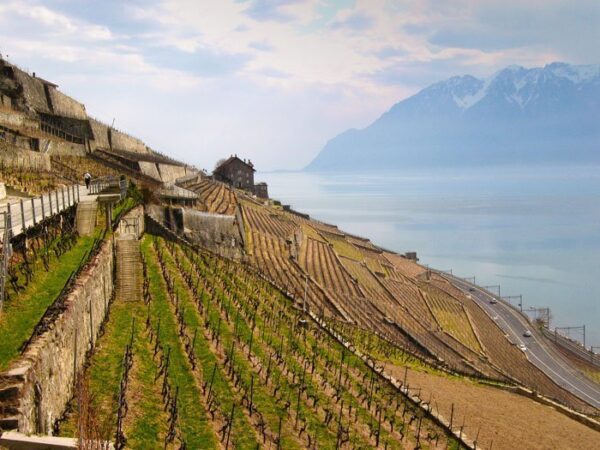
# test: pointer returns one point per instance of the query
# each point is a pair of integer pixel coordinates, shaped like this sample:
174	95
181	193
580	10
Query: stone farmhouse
239	173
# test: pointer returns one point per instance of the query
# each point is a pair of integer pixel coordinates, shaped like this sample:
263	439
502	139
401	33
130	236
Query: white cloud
286	76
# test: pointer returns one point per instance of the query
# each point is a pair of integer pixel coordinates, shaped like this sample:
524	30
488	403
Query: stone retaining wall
44	375
122	141
215	232
33	91
25	159
100	132
150	169
63	105
170	173
62	148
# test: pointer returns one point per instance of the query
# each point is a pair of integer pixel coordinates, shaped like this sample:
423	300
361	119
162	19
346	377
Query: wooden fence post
9	219
33	210
22	216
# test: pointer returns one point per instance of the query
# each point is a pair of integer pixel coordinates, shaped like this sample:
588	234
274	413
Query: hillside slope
349	280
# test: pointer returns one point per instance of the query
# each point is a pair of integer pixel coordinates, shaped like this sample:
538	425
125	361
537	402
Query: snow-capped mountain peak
517	85
544	114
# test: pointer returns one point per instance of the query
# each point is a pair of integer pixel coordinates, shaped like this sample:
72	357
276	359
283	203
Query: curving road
538	351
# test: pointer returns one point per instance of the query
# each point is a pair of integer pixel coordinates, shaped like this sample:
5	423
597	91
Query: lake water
534	231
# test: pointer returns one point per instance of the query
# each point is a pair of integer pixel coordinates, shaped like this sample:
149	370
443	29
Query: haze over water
534	231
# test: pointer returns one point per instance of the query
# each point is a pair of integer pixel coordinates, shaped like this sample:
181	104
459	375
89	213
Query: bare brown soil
503	419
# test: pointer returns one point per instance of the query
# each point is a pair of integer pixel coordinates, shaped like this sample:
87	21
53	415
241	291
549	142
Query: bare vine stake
251	395
379	428
250	343
341	366
194	339
279	433
230	426
339	430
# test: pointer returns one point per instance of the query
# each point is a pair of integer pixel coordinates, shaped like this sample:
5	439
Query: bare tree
219	162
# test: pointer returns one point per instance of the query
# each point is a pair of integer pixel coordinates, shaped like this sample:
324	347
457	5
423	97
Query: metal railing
29	212
572	346
112	183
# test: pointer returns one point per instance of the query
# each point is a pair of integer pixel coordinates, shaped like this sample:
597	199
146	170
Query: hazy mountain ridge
519	115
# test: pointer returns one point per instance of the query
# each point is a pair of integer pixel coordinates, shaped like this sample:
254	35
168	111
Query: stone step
10	409
9	392
9	423
129	268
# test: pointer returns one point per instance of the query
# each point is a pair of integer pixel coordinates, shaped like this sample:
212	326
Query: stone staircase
129	269
86	217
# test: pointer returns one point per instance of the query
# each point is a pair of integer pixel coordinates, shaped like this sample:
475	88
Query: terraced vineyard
268	223
214	356
74	167
386	293
451	316
343	247
216	197
32	182
319	260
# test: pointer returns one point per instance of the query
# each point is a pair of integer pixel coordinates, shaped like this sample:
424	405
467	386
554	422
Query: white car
522	347
527	333
493	301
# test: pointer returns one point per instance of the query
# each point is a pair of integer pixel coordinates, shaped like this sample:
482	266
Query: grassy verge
195	426
23	312
243	435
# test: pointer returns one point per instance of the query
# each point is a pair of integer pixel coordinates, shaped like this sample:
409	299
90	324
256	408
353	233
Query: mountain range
541	115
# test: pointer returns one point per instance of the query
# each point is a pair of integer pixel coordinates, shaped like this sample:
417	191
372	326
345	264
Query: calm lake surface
534	231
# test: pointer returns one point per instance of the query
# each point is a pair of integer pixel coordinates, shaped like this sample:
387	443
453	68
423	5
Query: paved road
538	350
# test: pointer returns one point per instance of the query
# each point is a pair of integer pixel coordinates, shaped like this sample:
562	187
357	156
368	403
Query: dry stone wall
17	119
100	132
5	101
63	105
216	232
132	223
33	91
25	159
149	168
62	148
170	173
122	141
45	373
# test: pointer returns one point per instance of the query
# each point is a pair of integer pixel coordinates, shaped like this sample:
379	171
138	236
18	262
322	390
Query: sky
274	80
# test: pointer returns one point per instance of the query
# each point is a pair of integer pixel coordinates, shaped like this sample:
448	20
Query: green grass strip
242	431
146	422
194	423
23	312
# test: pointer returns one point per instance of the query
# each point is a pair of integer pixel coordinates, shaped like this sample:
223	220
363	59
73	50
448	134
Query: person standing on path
87	178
